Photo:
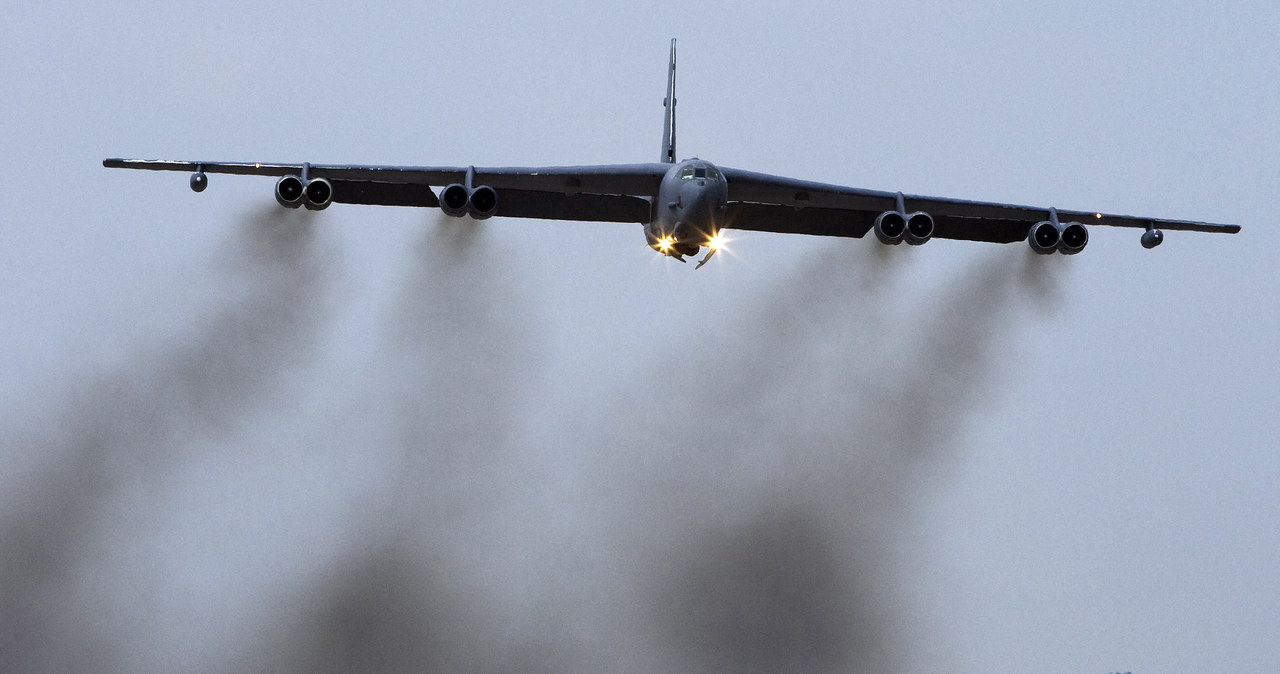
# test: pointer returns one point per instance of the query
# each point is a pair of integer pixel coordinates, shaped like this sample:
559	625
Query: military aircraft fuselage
688	211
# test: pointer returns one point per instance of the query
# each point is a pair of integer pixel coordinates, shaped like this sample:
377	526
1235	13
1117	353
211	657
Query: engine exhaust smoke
744	513
124	427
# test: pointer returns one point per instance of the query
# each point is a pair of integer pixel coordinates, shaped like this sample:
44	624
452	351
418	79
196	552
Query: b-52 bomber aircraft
684	205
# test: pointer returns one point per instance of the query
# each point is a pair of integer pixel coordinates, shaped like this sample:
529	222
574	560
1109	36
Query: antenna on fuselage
669	120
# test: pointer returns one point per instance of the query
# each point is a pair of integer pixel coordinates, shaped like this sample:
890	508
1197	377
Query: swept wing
609	193
775	204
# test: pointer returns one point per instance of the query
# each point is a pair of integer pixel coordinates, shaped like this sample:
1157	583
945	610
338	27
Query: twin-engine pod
292	192
1048	237
894	227
480	203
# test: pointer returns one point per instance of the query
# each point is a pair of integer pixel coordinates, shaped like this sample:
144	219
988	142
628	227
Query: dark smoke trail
750	495
765	493
421	584
462	342
126	426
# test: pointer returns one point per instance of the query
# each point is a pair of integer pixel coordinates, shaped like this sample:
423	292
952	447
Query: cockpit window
700	173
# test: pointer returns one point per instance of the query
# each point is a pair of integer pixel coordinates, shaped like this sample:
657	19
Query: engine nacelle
319	193
1152	238
890	226
458	200
290	191
199	181
1044	238
483	202
919	228
454	200
1073	237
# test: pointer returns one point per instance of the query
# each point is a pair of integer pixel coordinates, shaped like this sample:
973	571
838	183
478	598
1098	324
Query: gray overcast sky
1100	493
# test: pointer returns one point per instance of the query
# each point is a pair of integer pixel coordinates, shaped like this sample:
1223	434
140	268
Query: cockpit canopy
699	172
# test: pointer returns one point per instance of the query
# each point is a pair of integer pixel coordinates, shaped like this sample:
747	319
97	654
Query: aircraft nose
697	204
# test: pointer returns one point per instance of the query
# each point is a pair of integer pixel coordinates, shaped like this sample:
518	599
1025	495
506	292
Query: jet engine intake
482	202
1073	237
319	193
290	191
890	226
454	200
919	228
1044	237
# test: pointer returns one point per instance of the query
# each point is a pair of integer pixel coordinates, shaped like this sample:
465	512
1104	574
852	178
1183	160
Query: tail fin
669	121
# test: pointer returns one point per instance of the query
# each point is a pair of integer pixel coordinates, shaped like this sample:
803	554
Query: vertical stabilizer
669	120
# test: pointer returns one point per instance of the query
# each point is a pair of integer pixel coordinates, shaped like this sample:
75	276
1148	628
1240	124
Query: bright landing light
716	242
665	243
